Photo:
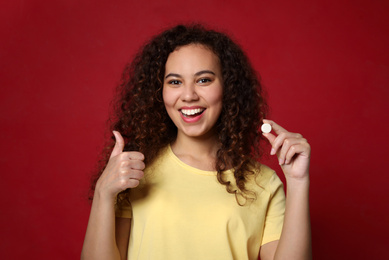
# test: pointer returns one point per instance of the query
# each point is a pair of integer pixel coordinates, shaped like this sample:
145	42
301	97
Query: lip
192	119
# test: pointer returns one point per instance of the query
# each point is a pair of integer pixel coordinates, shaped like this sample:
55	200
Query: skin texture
193	80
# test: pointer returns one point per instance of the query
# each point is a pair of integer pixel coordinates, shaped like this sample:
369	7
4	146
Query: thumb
119	145
270	137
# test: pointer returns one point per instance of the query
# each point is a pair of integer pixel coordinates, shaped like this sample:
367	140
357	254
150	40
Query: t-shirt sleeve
275	212
123	210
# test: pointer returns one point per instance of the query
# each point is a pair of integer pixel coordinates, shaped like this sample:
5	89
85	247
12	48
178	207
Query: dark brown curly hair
140	115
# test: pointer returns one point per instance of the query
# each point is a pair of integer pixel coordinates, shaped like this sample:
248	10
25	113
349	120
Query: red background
324	64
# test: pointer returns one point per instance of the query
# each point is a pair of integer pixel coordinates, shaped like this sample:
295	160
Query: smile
192	112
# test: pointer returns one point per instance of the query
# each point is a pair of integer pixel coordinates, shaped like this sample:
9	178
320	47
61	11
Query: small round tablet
266	128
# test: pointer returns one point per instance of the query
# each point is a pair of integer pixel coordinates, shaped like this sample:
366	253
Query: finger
270	137
280	139
132	183
276	128
285	148
131	174
136	174
119	145
133	155
300	148
127	165
128	183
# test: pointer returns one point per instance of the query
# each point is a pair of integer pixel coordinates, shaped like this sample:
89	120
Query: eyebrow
196	74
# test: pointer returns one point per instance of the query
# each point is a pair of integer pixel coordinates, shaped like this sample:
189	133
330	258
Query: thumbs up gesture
124	170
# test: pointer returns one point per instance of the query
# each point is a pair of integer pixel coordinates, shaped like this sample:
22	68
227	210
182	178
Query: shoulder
264	179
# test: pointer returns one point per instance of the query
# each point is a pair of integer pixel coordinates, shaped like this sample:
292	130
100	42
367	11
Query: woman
183	175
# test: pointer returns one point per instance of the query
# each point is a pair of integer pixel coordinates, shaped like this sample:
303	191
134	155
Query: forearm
295	241
100	240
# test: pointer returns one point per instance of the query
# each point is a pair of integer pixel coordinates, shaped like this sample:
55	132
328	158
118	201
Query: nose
189	93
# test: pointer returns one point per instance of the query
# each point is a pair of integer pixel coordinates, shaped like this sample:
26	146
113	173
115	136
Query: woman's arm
293	153
123	171
122	232
100	241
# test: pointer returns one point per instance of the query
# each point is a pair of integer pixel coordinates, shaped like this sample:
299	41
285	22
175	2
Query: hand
293	151
124	170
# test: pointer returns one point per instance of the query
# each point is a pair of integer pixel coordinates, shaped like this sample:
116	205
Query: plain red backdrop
324	64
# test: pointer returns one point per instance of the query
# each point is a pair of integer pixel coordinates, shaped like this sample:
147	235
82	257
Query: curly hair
140	115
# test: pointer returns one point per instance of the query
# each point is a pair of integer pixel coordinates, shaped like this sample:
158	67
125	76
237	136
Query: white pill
266	128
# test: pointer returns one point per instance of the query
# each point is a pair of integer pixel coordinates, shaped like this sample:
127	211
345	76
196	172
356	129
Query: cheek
219	101
165	96
216	97
169	98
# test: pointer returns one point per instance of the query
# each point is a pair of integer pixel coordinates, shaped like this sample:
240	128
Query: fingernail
272	152
280	161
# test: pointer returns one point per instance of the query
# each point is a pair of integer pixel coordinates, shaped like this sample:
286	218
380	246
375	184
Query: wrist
298	183
101	196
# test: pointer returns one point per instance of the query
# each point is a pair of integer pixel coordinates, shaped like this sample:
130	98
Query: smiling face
192	90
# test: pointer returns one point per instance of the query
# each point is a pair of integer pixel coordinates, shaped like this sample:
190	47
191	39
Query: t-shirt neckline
187	166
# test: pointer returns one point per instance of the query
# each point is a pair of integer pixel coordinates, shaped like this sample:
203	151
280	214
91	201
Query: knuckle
277	143
123	156
124	171
124	163
123	183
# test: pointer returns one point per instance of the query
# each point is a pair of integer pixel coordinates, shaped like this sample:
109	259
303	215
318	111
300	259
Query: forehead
193	56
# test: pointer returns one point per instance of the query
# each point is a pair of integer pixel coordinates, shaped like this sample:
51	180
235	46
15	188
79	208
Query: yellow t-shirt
180	212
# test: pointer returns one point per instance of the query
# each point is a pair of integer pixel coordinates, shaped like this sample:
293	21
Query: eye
204	80
174	82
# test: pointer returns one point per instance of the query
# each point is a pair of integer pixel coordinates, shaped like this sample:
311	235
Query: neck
199	152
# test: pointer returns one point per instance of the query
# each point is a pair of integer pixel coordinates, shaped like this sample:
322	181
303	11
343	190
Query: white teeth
190	112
